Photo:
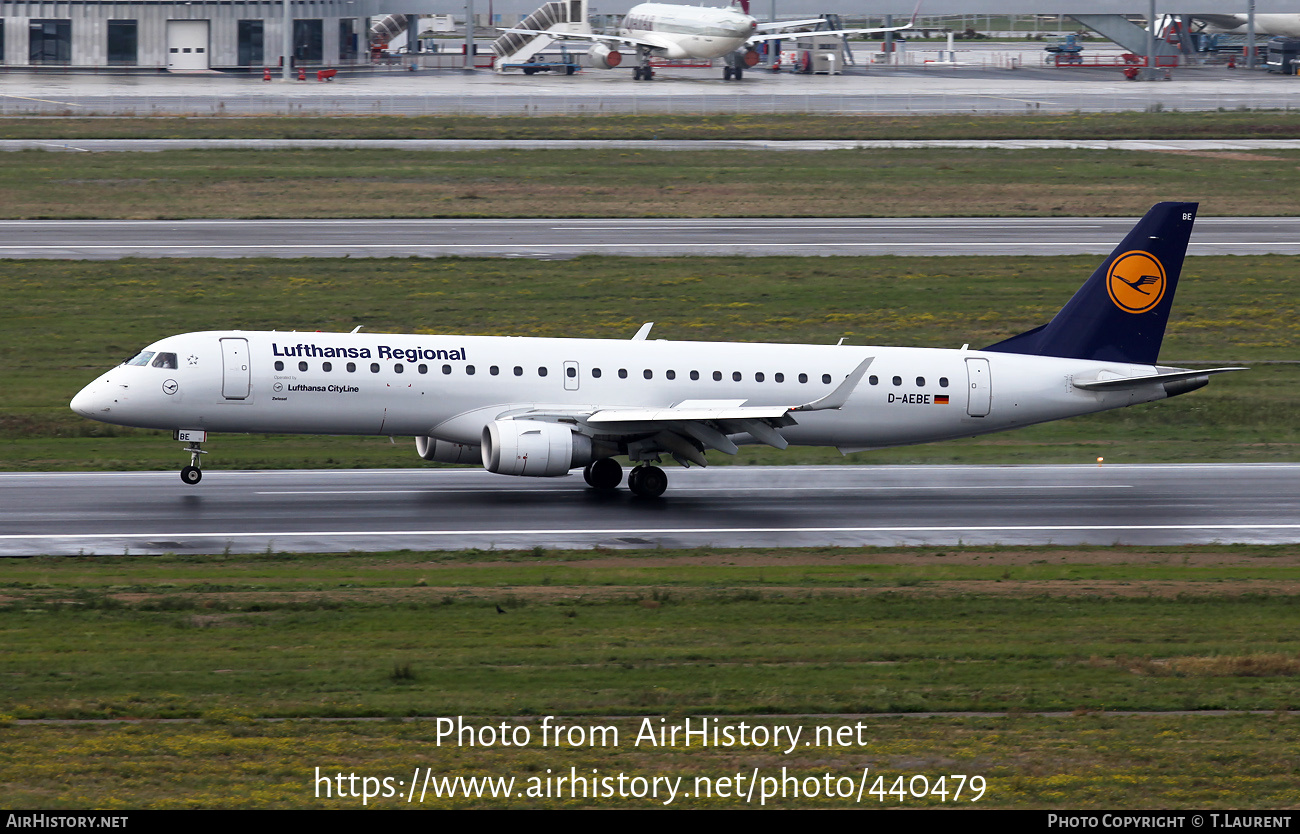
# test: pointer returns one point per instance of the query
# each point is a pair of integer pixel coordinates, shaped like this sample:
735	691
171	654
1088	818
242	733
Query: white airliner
542	407
663	30
1265	24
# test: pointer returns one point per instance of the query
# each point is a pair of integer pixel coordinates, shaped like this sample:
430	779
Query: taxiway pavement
547	238
732	506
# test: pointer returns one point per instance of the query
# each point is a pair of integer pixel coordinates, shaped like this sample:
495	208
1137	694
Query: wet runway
544	238
734	506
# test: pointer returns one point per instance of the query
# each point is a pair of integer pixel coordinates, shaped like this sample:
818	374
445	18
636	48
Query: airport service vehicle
665	30
542	407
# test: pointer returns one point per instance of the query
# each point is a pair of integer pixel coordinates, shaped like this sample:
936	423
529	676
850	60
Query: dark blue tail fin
1120	313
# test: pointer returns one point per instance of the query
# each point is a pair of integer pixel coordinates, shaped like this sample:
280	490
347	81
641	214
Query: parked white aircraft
1266	25
541	407
663	30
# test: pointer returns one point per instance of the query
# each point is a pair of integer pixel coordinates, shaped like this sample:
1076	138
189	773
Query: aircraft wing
611	40
688	428
789	24
786	36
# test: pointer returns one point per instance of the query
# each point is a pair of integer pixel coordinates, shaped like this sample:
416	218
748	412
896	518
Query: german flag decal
940	399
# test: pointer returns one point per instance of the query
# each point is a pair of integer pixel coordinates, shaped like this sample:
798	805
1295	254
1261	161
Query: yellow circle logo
1136	281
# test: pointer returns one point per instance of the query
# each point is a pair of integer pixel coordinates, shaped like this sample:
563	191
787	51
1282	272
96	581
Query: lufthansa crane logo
1136	281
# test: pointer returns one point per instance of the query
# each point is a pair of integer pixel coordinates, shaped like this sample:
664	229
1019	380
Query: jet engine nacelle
744	58
445	452
533	448
604	57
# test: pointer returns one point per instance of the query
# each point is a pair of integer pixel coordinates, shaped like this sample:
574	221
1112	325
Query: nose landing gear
193	473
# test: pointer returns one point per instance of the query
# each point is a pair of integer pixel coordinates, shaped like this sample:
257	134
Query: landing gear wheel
739	73
647	481
603	474
726	73
192	474
636	73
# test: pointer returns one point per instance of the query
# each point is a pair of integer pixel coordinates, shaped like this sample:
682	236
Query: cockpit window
141	358
165	360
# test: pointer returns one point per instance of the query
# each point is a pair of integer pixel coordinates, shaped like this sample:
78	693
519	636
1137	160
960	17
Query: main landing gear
644	481
193	473
730	72
642	71
647	481
604	474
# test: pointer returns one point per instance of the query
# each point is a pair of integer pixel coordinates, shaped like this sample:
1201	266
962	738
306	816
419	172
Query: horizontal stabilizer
1121	383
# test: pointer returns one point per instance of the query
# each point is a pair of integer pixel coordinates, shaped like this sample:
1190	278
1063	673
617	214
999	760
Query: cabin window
165	360
374	367
826	379
595	373
736	376
397	369
446	369
717	376
695	374
141	358
648	374
494	370
803	377
670	374
943	382
571	372
279	366
541	371
327	366
519	371
352	367
873	379
779	377
622	373
758	377
302	366
898	380
424	369
469	370
920	382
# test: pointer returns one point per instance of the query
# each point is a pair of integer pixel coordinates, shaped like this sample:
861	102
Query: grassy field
67	322
1168	124
633	183
865	639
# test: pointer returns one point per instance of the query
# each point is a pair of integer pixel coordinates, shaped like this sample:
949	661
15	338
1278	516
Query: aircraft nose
90	402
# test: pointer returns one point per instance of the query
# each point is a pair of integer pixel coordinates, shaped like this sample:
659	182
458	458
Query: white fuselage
451	387
1265	24
689	31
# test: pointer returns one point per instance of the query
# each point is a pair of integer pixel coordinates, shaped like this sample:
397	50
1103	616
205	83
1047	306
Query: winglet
644	332
840	395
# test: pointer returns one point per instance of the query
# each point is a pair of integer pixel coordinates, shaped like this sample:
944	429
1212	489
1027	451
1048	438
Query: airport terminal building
179	36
